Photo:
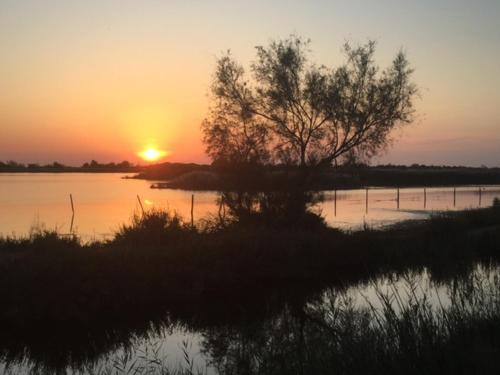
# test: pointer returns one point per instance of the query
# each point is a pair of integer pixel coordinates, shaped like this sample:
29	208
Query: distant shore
55	167
204	177
73	170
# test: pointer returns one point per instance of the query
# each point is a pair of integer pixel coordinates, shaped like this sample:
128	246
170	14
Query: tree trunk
302	156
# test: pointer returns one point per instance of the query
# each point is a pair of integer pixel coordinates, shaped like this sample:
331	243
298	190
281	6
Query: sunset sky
106	79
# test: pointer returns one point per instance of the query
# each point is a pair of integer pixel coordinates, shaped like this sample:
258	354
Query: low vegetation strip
107	292
271	178
158	260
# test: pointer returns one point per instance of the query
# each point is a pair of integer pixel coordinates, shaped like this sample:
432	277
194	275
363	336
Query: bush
153	227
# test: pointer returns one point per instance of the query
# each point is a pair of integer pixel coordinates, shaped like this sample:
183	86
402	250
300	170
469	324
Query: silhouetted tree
294	112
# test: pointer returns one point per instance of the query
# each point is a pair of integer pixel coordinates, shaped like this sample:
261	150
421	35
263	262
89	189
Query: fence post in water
479	196
335	202
73	213
192	209
140	204
425	198
221	202
397	199
454	196
366	203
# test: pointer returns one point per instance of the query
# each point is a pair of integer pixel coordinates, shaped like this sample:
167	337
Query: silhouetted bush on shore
159	263
57	277
152	228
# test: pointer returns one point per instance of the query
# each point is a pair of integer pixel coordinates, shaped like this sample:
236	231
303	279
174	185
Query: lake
104	201
216	336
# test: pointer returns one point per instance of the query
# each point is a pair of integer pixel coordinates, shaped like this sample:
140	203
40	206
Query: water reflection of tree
302	332
298	340
334	335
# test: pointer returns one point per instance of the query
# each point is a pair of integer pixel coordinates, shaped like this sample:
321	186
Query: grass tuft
153	227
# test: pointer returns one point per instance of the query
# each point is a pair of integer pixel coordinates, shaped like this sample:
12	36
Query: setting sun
152	154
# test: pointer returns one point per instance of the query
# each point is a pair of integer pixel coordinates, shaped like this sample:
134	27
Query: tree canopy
292	111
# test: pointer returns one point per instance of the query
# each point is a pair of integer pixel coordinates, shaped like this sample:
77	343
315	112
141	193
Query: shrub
153	227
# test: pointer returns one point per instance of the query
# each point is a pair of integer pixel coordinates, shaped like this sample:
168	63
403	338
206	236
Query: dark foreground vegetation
255	287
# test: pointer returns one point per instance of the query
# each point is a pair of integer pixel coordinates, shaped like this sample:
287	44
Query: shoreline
166	185
194	263
158	269
279	179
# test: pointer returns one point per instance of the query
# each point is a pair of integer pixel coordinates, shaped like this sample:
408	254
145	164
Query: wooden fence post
335	202
73	213
366	203
192	210
425	198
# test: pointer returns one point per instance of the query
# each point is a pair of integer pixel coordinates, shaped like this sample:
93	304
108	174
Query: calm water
103	201
205	345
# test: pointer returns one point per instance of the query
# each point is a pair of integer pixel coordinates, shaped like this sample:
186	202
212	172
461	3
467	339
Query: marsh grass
158	251
145	358
399	331
152	227
102	292
40	239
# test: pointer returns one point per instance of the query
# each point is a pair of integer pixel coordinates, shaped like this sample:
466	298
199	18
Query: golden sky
105	79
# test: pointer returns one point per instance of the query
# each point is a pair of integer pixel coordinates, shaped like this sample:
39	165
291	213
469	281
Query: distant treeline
92	166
